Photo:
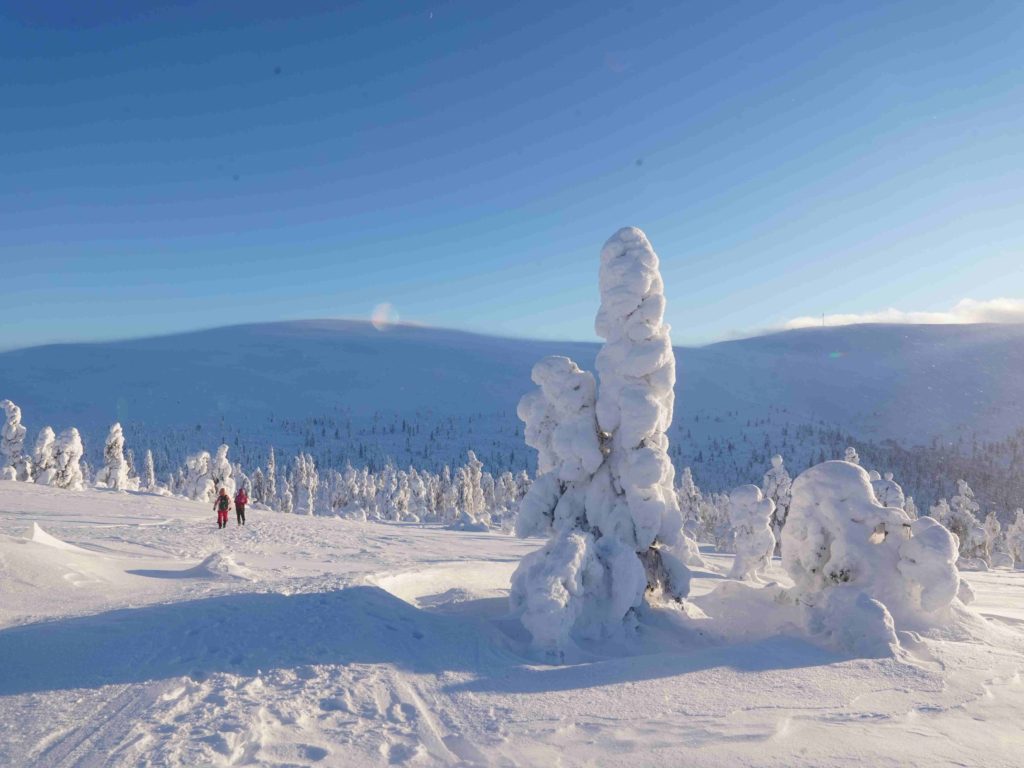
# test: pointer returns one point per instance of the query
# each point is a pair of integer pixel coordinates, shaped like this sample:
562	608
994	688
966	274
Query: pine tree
114	474
148	471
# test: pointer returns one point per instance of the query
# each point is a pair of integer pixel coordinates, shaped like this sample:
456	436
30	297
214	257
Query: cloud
964	311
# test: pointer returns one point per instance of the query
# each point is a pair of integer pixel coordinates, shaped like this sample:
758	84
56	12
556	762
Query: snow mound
465	522
220	565
39	536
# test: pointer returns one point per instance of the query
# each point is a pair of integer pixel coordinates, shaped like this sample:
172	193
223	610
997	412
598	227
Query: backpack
223	504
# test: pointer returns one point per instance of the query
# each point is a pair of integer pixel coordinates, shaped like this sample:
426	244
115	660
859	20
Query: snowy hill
133	632
343	390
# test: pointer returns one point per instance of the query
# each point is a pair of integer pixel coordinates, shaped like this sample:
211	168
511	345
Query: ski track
371	644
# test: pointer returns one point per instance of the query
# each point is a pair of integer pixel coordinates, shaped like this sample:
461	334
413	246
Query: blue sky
166	166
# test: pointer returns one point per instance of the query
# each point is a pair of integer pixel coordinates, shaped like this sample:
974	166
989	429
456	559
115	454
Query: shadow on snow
246	633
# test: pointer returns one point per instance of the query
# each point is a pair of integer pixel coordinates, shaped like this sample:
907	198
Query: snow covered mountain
344	390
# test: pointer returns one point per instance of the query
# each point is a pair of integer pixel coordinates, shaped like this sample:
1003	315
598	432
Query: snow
606	491
751	516
864	570
366	644
114	473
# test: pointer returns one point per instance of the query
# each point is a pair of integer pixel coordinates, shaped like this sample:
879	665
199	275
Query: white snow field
133	632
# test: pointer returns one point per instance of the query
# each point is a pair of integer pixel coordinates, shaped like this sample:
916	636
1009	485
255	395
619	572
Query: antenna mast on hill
822	319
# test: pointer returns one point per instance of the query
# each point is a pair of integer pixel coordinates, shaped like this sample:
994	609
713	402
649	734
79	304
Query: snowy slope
132	632
342	384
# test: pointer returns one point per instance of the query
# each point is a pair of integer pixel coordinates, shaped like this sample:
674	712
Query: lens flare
383	316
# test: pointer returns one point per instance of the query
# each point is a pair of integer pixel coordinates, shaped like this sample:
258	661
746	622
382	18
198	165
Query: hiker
222	505
241	499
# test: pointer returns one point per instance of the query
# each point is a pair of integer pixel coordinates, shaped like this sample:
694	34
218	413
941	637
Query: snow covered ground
133	632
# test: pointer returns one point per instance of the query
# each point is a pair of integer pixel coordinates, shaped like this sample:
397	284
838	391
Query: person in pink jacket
241	499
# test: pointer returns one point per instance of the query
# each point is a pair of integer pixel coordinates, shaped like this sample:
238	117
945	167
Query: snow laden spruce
604	492
751	515
114	473
861	570
14	464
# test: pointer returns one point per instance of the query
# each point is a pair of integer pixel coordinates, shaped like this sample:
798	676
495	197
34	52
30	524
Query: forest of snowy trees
469	495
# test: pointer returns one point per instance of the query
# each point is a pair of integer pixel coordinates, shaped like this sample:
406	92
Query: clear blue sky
166	166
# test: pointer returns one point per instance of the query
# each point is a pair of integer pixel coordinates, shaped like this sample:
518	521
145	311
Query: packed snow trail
133	632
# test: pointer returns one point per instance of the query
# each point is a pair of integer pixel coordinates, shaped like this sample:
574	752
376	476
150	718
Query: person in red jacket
241	499
222	505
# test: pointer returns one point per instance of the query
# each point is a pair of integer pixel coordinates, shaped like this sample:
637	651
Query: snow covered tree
690	501
198	483
114	474
863	570
148	471
851	455
133	475
472	506
910	508
259	487
305	481
940	511
12	444
888	491
487	489
286	502
44	457
604	491
222	473
777	485
67	458
992	528
270	494
1015	538
963	522
449	496
751	516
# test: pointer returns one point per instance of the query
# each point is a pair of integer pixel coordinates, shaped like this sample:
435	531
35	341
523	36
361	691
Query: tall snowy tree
133	474
992	528
1015	538
751	513
114	474
285	502
148	471
44	458
259	487
12	444
305	481
605	483
270	496
777	485
198	484
68	456
690	499
469	483
221	471
910	507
